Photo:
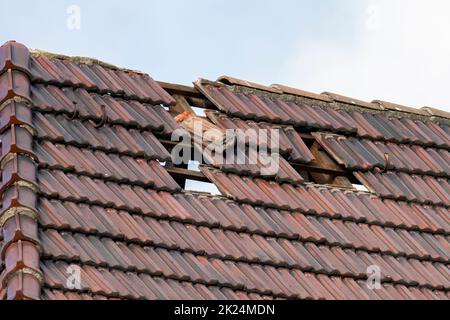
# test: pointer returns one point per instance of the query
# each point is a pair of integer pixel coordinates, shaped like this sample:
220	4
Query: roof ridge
329	97
81	60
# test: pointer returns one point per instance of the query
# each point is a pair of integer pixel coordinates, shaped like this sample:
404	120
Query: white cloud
401	53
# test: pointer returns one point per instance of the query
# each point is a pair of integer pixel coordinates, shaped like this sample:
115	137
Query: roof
84	186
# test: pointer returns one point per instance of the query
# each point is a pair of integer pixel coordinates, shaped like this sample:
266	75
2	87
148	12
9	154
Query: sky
392	50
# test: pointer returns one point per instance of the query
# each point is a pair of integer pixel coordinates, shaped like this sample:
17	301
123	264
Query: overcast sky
394	50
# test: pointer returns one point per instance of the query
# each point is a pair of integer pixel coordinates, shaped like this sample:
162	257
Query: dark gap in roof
309	142
354	180
186	174
325	170
199	111
188	99
202	187
360	184
194	165
360	187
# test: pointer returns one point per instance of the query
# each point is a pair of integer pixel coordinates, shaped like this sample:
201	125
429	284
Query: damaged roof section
87	182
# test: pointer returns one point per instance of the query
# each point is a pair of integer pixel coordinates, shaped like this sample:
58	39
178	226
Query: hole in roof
202	187
323	171
189	176
360	187
194	166
199	111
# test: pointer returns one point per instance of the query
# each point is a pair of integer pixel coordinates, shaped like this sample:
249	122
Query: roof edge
437	112
329	98
81	60
235	81
22	278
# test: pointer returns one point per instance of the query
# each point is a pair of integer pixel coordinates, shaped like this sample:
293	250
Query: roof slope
83	185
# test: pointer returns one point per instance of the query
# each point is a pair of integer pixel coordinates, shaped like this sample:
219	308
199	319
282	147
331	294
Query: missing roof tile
360	187
194	165
199	111
188	99
202	187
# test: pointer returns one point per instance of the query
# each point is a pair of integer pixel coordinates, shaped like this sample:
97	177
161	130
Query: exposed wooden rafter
180	89
181	173
192	96
330	173
181	106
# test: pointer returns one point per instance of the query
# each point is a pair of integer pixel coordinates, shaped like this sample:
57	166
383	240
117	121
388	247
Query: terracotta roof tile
234	246
235	81
397	107
108	138
108	166
290	141
364	154
402	186
437	112
361	206
82	179
89	106
236	101
99	78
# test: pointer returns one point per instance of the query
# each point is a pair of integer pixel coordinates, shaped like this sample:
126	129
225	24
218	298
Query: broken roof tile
235	81
289	141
